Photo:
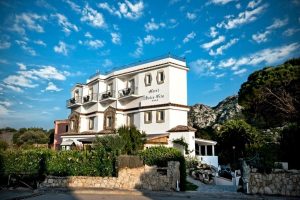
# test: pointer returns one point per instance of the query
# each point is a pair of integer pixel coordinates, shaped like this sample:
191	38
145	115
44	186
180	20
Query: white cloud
150	39
130	10
172	23
14	88
217	41
220	2
191	16
261	37
94	44
219	51
139	50
4	44
40	42
227	63
4	111
111	9
28	21
203	67
26	48
253	4
290	31
126	9
20	81
88	35
45	72
238	6
52	87
240	72
266	56
213	33
189	37
278	23
63	21
73	6
61	48
22	66
5	103
242	18
92	17
107	63
150	26
115	38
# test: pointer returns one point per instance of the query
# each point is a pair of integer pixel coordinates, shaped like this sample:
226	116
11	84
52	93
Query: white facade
151	96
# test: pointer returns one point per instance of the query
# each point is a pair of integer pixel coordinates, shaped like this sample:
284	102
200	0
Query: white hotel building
150	95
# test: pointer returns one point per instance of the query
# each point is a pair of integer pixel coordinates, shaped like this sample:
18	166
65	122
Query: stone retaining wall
279	182
147	177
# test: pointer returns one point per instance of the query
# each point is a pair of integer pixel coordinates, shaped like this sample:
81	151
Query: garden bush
161	155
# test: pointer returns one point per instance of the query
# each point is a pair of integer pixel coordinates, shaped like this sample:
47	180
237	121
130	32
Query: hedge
63	163
161	155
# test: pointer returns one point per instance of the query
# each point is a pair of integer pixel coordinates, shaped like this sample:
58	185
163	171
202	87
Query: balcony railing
75	101
127	92
108	94
90	98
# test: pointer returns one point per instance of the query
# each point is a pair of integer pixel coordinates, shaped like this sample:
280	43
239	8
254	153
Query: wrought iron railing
74	101
128	91
107	94
90	98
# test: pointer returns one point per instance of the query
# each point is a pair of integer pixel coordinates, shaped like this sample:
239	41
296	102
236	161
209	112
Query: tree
233	138
32	137
134	140
110	143
289	146
271	96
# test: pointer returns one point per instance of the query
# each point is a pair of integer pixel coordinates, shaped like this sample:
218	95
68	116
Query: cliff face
204	116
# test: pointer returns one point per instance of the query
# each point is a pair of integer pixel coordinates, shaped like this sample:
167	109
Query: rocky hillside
203	116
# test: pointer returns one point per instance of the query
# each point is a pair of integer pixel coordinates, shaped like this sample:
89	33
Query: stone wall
279	182
147	177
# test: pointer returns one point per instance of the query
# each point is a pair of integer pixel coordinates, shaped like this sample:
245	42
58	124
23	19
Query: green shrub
161	155
80	163
3	145
31	162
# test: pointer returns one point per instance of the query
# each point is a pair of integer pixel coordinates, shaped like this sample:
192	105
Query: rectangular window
160	78
148	117
202	150
160	116
130	119
67	128
148	79
72	125
109	122
109	87
91	123
209	150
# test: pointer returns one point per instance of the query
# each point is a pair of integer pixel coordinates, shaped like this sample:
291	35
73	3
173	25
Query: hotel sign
154	95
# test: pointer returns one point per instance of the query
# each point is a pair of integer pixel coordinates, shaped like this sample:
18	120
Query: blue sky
48	46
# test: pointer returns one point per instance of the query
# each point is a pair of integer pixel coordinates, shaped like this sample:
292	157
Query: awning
67	143
205	142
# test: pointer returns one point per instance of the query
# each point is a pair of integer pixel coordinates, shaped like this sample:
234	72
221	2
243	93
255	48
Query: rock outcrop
203	116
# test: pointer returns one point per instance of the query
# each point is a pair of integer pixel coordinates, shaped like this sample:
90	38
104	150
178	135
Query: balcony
107	97
91	98
74	102
128	94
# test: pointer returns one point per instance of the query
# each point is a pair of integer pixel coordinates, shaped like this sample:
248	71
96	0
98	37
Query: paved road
140	196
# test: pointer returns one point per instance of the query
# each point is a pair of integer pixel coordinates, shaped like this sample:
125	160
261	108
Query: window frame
158	77
157	116
149	113
150	79
109	122
91	121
